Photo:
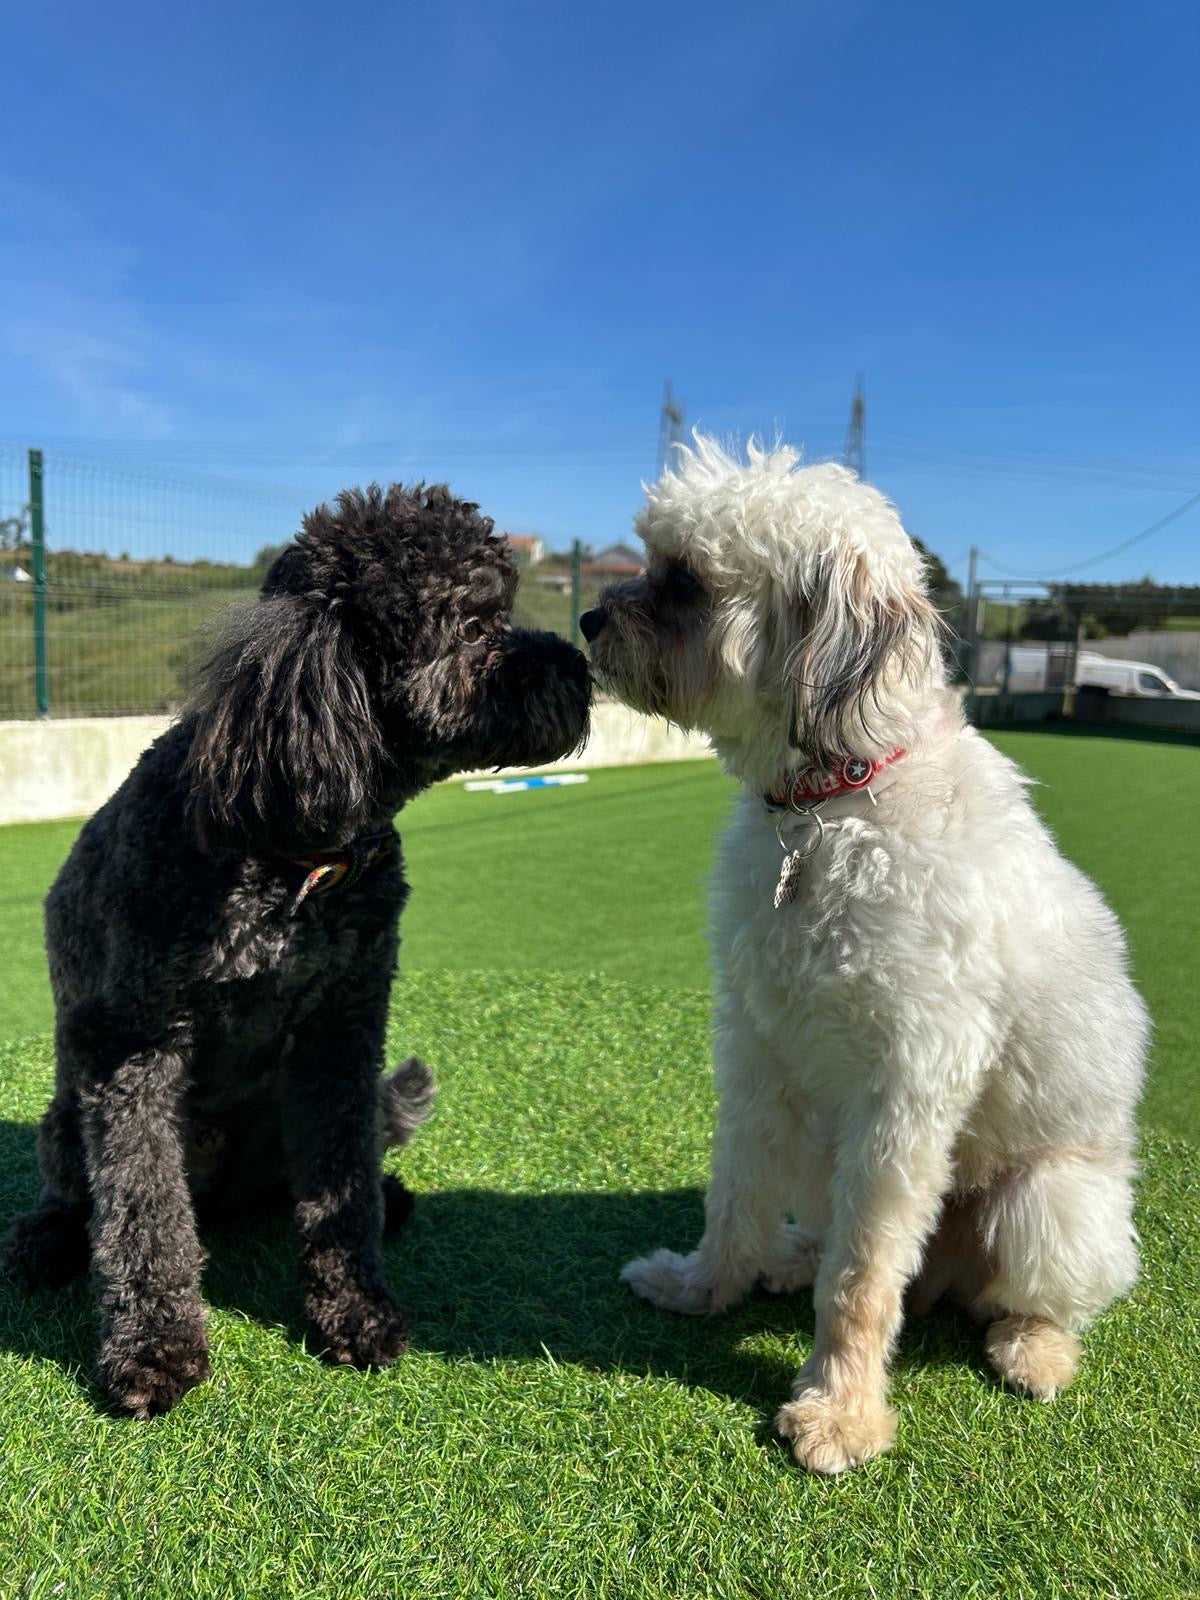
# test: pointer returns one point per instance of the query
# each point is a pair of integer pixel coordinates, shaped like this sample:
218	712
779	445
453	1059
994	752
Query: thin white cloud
70	326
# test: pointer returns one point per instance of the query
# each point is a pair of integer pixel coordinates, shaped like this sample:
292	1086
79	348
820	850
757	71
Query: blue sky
308	245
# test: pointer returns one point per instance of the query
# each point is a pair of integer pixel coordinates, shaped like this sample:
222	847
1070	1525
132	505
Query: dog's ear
286	752
858	640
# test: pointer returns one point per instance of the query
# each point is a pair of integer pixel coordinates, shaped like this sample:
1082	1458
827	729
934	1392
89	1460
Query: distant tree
946	592
268	553
1119	608
1105	608
1044	620
12	531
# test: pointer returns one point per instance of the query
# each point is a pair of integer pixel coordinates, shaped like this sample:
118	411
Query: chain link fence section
138	567
16	587
134	564
544	598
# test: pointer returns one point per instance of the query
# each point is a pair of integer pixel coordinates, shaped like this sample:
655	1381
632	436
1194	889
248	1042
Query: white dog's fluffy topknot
771	512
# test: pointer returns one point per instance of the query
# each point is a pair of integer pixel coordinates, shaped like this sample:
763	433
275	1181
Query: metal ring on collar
804	809
809	815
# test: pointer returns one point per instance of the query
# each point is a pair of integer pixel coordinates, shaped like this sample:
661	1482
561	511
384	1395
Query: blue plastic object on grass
549	780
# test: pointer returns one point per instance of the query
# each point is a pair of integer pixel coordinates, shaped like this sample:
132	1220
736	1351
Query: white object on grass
552	780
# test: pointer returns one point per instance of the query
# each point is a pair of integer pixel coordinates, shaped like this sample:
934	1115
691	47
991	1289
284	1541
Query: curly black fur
217	1039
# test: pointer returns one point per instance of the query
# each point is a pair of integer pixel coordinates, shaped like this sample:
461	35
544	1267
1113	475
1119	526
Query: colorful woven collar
331	869
803	790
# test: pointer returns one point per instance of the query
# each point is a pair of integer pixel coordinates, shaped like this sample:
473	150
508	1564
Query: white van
1126	677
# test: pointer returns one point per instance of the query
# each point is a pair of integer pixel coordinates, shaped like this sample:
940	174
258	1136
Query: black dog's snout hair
591	622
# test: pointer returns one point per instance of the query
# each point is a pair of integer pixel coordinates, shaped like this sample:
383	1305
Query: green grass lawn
548	1434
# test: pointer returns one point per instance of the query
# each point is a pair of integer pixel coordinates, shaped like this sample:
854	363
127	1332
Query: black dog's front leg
332	1135
146	1257
48	1246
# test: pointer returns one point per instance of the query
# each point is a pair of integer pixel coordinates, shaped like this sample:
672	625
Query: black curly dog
223	935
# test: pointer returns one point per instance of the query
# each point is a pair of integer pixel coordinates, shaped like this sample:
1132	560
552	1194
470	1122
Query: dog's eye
472	631
685	585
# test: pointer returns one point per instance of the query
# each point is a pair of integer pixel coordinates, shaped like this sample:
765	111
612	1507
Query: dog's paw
354	1329
397	1204
1033	1355
829	1437
795	1264
675	1282
47	1248
147	1369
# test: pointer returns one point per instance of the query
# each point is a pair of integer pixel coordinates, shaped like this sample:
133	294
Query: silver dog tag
788	886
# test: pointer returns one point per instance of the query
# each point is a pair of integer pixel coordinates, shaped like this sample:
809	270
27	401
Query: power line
977	456
820	437
1094	561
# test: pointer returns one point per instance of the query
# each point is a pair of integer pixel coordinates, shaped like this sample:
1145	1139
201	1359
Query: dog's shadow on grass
527	1276
488	1276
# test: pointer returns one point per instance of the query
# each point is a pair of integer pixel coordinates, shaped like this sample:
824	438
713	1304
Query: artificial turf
609	877
548	1434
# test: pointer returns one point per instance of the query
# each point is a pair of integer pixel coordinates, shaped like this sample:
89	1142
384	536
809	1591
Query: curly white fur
931	1058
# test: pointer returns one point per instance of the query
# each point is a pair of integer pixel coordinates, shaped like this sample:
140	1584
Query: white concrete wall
68	767
624	738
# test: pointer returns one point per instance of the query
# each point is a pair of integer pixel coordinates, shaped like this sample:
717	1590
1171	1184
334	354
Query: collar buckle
329	869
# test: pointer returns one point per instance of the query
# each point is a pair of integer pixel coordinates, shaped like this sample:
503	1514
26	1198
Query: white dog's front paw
672	1281
794	1265
828	1436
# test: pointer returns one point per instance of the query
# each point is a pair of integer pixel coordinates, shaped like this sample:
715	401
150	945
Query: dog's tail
406	1095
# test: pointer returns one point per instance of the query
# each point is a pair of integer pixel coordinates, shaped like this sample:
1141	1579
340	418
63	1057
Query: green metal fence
108	577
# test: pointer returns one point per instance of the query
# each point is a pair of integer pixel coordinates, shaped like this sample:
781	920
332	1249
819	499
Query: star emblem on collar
856	770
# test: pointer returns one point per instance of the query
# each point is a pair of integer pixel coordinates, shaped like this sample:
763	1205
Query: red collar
808	787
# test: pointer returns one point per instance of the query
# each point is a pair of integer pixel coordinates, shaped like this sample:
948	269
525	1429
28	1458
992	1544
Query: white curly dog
928	1048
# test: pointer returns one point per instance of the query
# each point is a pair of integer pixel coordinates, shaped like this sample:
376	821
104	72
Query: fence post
576	589
37	537
972	621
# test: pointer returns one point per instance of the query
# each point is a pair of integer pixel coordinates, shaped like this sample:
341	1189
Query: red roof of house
617	559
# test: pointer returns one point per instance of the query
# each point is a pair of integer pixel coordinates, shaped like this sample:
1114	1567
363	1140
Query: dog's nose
591	622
